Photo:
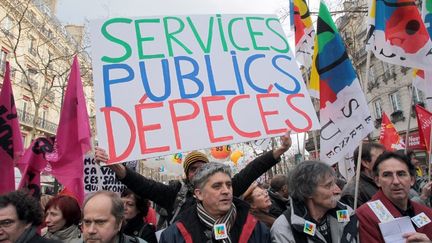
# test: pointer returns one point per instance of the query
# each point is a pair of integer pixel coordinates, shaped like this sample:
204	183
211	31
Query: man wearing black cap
178	195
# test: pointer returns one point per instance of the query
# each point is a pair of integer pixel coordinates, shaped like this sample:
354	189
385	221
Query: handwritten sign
168	84
101	178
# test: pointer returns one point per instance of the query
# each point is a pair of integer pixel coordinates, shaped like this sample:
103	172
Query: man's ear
376	179
198	194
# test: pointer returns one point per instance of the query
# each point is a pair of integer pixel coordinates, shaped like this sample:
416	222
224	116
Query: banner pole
430	153
358	169
409	118
314	139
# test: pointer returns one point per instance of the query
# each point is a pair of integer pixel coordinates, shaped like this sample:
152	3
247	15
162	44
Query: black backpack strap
298	236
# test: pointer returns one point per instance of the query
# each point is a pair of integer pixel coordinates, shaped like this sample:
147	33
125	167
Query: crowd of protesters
313	203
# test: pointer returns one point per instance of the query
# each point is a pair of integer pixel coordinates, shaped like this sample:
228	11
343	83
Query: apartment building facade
40	51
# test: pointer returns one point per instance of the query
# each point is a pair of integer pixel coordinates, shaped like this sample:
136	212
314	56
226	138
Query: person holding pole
178	196
394	175
367	186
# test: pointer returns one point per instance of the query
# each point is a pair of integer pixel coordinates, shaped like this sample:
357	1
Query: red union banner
414	142
424	120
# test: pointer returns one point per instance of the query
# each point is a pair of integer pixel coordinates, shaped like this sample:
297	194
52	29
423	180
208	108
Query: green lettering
207	48
253	33
140	39
221	32
170	35
126	46
230	33
284	40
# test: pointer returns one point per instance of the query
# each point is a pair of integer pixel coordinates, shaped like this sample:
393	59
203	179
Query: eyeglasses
6	223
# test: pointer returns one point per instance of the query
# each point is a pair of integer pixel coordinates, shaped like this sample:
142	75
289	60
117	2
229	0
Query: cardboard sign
169	84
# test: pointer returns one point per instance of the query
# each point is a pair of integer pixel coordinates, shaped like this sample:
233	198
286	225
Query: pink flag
11	146
33	162
73	137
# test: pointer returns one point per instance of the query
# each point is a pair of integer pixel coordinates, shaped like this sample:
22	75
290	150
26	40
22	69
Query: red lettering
151	127
263	113
231	119
302	113
210	119
111	144
176	119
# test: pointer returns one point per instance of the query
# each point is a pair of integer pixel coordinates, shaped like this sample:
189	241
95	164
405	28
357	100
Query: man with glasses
394	175
20	216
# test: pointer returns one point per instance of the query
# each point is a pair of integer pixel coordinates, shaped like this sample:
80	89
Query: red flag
73	137
11	146
389	137
33	162
424	120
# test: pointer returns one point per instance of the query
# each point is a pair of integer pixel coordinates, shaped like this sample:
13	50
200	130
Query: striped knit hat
193	157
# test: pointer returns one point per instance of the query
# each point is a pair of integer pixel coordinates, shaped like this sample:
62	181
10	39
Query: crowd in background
313	203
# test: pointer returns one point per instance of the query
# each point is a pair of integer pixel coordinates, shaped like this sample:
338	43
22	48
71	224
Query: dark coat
200	234
367	188
279	204
39	239
138	228
165	195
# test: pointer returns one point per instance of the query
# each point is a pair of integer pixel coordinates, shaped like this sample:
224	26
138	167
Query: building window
44	116
32	45
417	95
3	55
395	101
378	108
371	74
6	24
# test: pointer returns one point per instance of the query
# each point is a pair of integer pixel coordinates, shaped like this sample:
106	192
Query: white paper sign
392	231
169	84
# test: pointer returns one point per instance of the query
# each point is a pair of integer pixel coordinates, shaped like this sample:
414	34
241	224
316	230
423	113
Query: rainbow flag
344	114
304	32
398	35
423	80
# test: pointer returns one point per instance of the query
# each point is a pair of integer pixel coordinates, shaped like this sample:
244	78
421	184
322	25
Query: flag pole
430	153
314	139
409	118
360	148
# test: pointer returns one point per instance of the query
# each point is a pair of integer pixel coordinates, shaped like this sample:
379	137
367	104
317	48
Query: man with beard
217	216
314	214
394	174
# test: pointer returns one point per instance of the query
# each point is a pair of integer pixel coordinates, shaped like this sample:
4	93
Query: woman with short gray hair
315	213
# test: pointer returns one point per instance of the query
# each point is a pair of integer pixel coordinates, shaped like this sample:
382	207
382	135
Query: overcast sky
77	11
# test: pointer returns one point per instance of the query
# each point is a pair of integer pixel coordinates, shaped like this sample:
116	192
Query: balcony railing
27	119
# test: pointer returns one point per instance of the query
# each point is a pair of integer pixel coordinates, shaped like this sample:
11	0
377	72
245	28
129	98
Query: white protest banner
101	178
169	84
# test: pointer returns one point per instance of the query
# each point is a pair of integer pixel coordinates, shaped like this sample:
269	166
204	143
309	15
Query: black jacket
279	204
138	228
367	188
201	234
39	239
165	195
